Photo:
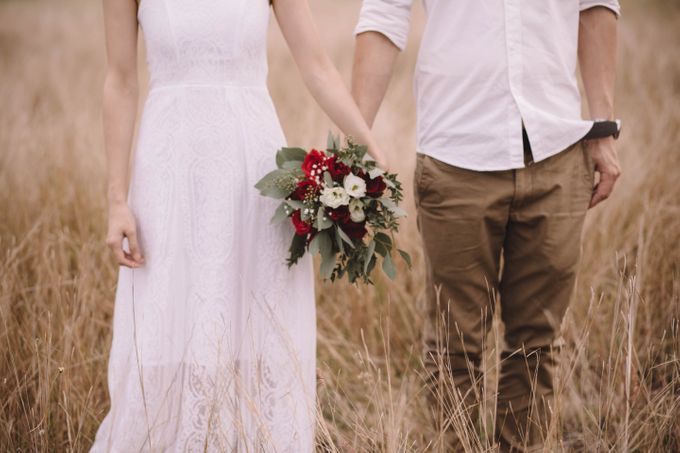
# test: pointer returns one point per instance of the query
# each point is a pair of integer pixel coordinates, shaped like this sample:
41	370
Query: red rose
314	163
340	214
337	169
355	230
302	188
375	187
301	228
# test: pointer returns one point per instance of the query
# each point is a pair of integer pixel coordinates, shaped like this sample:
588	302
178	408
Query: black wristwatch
603	129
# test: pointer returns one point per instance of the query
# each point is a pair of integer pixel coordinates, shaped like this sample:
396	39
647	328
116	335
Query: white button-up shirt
486	66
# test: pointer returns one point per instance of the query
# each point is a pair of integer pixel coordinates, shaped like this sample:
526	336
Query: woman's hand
122	225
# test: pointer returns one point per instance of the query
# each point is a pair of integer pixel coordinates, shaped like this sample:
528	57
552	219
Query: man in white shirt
503	168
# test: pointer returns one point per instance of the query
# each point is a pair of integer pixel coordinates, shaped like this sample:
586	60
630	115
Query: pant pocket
589	173
418	177
582	179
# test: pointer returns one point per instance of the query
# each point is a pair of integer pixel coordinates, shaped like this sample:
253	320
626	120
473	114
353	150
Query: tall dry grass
619	383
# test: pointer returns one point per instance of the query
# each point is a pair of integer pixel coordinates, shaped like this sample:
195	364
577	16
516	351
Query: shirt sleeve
392	18
611	4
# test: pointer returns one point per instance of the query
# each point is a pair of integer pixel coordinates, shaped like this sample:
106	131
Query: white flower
355	186
356	211
334	197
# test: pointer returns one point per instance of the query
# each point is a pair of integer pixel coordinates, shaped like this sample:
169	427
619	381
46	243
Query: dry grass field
619	385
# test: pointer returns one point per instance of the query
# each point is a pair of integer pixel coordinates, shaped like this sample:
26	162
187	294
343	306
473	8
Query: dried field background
620	380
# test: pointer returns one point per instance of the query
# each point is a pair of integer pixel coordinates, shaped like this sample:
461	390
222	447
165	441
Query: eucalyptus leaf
296	249
353	270
297	172
344	237
398	212
383	244
290	155
406	257
269	178
370	251
290	165
392	206
273	192
327	179
387	202
325	244
314	246
338	240
388	267
380	248
361	151
295	204
375	173
327	265
332	142
322	220
371	265
280	214
347	161
273	183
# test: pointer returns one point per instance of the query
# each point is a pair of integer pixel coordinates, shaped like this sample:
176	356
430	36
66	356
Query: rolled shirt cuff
391	19
613	5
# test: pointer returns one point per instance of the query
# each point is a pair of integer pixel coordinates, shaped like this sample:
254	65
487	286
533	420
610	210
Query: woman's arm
120	110
320	76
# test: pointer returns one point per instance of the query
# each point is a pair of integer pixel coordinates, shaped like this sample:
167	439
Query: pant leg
541	252
462	216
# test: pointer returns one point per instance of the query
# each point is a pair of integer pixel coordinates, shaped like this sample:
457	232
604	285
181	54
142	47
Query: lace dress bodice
205	42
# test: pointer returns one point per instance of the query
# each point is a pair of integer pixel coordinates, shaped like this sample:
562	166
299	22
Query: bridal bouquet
342	206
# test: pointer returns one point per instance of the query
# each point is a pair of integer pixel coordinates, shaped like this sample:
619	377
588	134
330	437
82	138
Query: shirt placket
513	41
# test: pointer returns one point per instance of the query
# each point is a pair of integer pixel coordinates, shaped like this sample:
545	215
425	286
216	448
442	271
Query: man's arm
381	33
374	59
597	59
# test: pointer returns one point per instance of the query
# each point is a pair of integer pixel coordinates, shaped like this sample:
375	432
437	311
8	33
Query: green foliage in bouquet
342	206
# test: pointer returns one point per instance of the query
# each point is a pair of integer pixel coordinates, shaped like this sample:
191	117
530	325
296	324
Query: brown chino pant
533	218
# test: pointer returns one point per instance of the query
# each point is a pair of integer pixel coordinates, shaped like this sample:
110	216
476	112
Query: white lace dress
214	338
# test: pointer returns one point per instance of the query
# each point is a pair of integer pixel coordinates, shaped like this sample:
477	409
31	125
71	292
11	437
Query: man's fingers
135	251
603	189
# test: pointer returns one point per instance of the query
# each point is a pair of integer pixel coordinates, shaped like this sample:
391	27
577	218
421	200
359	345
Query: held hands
379	157
383	164
606	161
122	225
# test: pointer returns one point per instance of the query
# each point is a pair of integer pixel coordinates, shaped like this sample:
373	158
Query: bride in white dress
213	336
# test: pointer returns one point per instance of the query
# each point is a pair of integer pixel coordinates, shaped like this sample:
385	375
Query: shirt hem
467	165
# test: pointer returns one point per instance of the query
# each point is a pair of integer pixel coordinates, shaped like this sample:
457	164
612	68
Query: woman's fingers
122	258
122	227
135	251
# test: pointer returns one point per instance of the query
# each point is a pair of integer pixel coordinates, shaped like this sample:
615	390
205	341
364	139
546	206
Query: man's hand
606	161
